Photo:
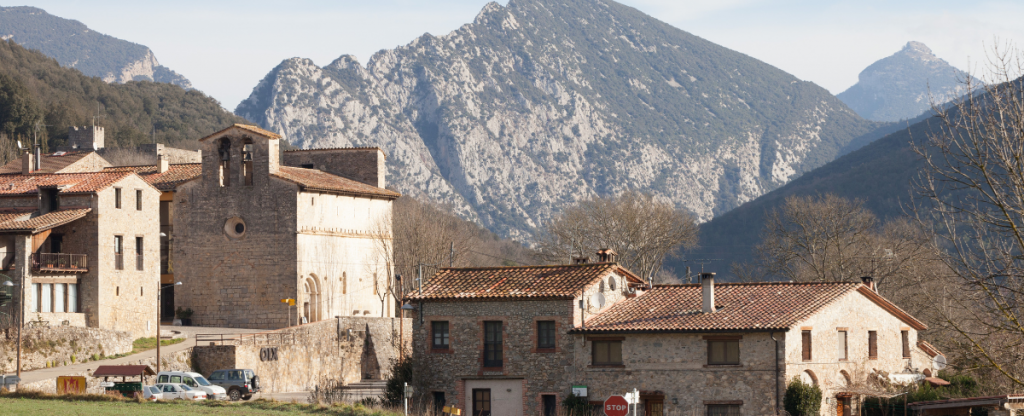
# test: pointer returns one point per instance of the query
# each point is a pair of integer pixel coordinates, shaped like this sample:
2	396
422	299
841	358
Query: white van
194	380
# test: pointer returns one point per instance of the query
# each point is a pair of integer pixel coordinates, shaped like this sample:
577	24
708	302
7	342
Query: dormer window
247	150
224	157
48	201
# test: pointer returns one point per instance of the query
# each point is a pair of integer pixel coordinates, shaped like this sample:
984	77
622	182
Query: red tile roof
740	307
929	348
316	180
51	163
562	281
69	183
255	129
35	223
122	371
175	175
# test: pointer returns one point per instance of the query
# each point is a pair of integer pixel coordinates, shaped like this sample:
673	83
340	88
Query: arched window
808	378
611	283
600	287
224	156
247	152
844	379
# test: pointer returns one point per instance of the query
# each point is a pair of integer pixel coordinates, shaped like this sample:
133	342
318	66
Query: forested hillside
34	87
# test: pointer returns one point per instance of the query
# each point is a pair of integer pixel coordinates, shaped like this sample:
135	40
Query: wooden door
654	407
843	406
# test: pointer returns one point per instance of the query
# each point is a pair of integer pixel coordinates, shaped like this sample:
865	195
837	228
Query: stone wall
338	349
178	361
171	154
364	164
60	346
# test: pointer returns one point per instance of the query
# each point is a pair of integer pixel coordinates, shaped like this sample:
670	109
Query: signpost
616	406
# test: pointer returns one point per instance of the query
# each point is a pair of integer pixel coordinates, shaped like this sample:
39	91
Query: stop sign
616	406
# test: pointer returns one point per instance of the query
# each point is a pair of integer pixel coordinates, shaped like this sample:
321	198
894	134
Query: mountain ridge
534	106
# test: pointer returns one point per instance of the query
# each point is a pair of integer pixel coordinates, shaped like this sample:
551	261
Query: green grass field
60	406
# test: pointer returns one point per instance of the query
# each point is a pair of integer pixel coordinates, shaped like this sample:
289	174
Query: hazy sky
226	47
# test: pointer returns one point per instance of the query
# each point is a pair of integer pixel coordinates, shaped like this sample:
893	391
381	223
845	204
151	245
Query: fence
265	338
60	262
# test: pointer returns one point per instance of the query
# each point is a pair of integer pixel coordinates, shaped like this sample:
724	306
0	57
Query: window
35	297
481	402
906	343
72	297
307	166
841	347
138	200
247	150
611	283
117	291
118	252
59	291
142	291
439	401
492	345
600	286
440	331
117	198
139	251
546	334
46	293
224	152
872	345
723	410
550	403
724	352
607	353
805	342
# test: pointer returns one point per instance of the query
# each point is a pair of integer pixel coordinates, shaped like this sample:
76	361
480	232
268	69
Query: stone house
250	231
83	247
726	349
497	339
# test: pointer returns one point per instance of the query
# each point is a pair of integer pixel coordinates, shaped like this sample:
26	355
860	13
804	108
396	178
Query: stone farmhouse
518	340
250	231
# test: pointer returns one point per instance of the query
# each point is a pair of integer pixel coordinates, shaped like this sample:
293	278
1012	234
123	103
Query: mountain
899	87
35	87
881	174
539	104
75	46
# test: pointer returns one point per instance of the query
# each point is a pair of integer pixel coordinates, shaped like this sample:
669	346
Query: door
481	402
550	404
654	407
843	406
170	392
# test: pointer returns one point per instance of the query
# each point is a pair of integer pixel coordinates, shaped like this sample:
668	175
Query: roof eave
892	308
585	331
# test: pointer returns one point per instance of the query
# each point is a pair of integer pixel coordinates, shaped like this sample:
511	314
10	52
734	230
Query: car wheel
234	395
247	397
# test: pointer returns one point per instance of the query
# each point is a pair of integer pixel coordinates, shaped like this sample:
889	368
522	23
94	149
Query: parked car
193	380
173	391
152	393
240	383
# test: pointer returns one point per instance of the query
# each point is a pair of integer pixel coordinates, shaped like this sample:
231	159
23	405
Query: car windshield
184	387
202	381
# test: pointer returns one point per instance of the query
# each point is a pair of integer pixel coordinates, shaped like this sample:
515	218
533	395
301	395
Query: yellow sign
452	410
290	302
70	385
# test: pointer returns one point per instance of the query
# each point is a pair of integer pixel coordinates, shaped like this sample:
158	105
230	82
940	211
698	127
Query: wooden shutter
906	343
806	335
872	344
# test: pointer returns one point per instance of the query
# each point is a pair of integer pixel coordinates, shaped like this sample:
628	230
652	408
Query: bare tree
973	189
641	229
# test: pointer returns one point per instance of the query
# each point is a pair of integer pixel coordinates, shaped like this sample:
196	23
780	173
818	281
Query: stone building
250	232
726	349
83	247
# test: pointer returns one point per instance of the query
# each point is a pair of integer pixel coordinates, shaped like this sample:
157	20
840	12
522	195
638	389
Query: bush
802	399
576	406
401	373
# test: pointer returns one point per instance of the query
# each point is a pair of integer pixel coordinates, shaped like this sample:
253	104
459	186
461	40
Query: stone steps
367	388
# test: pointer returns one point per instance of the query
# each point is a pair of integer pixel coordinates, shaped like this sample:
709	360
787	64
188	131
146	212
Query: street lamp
21	316
159	316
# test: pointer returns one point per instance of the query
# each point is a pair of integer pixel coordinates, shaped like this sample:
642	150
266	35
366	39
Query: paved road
52	373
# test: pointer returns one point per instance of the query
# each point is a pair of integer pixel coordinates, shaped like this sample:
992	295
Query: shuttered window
493	344
607	353
841	347
906	343
806	342
872	344
724	352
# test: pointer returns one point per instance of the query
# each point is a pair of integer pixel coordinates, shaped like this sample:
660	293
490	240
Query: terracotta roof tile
740	306
316	180
175	175
68	182
35	223
249	127
51	163
562	281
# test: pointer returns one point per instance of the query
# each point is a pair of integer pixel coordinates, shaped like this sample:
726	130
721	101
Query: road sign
632	397
106	384
580	391
616	406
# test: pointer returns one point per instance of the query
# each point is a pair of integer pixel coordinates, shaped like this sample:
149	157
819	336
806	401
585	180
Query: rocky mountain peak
899	87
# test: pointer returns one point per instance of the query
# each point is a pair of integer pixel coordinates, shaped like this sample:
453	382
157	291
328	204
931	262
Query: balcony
60	262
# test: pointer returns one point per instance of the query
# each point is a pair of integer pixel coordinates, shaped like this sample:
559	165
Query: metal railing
139	262
60	262
118	261
265	338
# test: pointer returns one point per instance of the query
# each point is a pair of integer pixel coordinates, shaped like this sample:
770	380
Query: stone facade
85	138
60	346
170	154
362	164
311	246
333	349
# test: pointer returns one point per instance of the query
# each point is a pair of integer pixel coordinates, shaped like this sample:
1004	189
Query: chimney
28	163
606	255
707	285
38	158
581	260
869	282
161	164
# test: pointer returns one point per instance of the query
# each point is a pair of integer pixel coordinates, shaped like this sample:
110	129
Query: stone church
252	230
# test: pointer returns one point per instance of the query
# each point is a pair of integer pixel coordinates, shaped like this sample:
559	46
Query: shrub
802	399
401	373
576	406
